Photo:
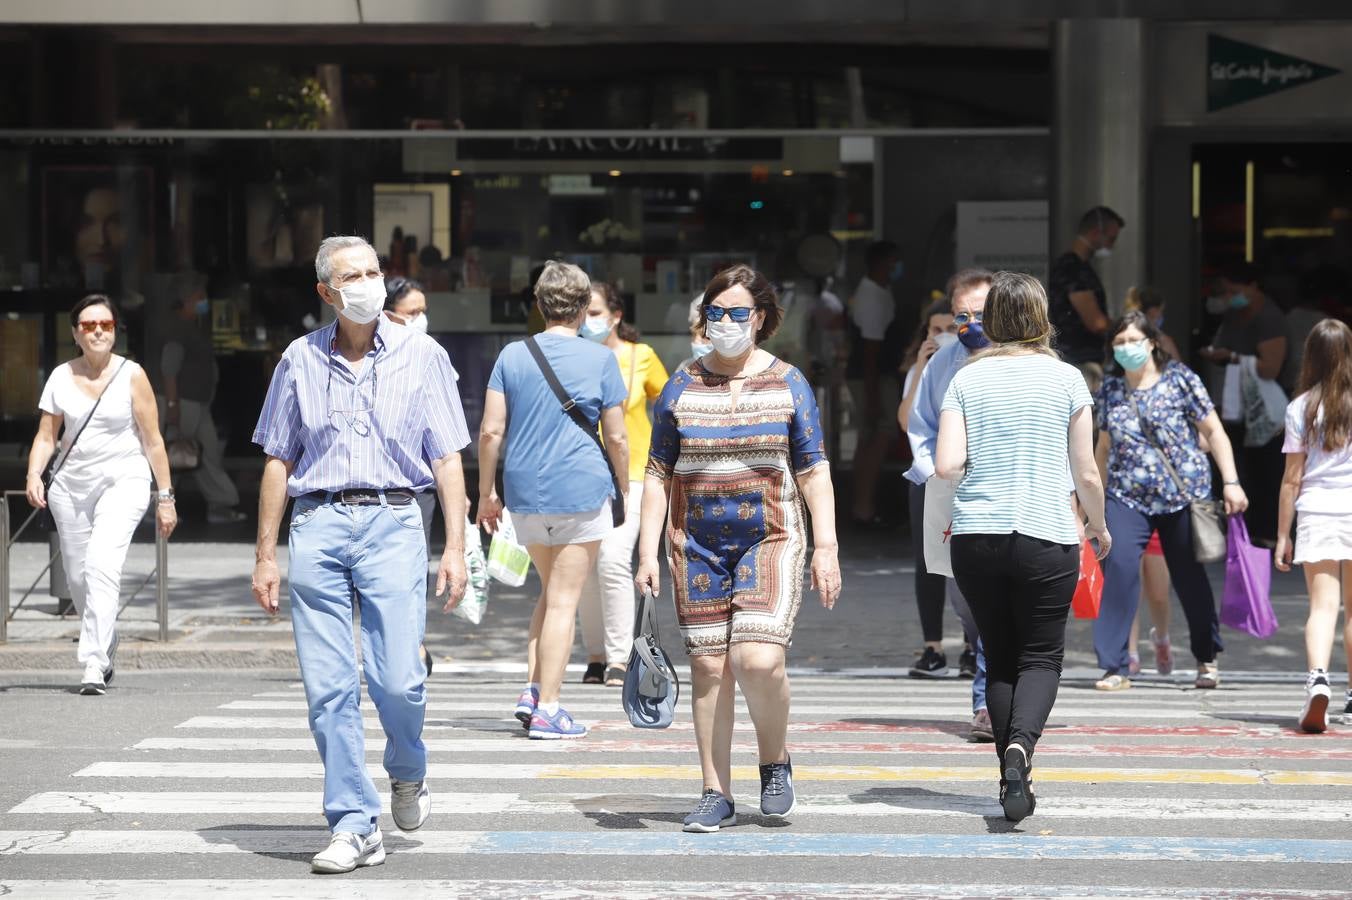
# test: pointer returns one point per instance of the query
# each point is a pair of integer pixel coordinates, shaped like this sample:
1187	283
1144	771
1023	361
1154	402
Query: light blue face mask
698	350
202	307
596	328
1239	300
1132	356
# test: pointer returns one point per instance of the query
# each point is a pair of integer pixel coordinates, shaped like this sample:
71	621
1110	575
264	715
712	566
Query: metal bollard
162	584
4	571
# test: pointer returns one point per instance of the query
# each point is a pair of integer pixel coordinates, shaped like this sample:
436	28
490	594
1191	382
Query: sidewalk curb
49	655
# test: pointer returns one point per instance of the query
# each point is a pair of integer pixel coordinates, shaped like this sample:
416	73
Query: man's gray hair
330	246
562	292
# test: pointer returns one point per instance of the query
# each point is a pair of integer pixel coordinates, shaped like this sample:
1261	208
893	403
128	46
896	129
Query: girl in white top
1015	425
1318	486
102	483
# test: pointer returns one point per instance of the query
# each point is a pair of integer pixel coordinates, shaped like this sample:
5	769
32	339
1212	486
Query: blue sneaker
525	705
560	726
712	813
777	799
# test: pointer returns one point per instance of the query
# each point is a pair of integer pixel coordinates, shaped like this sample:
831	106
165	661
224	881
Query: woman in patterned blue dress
1154	405
736	455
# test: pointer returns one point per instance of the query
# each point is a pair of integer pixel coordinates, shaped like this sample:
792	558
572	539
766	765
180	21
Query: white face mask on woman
362	301
730	339
418	323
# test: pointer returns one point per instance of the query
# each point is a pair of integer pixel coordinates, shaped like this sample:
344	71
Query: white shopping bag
1264	404
938	526
471	608
508	561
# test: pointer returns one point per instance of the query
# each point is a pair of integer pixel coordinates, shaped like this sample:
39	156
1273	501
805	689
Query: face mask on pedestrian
596	328
1103	252
1158	322
1132	356
972	335
362	301
945	339
895	274
202	307
731	339
1239	300
698	350
417	323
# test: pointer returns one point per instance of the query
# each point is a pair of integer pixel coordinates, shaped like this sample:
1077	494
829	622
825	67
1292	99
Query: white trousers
95	528
195	422
607	605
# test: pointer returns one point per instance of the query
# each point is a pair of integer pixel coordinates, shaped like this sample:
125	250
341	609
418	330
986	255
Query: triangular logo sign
1238	72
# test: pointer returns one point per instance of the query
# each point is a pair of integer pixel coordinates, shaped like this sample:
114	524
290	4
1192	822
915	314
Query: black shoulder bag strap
570	407
51	476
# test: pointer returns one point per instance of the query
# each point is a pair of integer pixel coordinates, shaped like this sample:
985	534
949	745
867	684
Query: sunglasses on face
736	314
92	325
962	319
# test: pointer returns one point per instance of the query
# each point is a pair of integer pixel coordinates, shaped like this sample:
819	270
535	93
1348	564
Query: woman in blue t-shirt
1150	413
557	484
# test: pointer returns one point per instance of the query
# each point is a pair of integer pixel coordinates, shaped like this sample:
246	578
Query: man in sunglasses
361	416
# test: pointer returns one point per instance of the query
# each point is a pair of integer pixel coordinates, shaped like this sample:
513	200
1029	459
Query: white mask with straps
362	300
730	339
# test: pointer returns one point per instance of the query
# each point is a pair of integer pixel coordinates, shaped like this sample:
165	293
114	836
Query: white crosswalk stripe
1170	779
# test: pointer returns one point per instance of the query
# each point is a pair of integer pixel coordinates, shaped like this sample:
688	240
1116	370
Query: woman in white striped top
1015	423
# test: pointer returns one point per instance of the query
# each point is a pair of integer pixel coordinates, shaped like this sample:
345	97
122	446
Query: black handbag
570	408
1208	516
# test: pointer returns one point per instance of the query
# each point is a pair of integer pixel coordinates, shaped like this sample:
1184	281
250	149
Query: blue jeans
379	552
1122	584
964	611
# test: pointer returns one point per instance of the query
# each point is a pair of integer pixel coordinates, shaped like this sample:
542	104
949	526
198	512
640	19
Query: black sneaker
967	663
1016	789
713	812
1347	709
777	798
1314	718
931	664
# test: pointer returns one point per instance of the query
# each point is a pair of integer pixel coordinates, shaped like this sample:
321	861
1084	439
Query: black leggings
1019	589
930	590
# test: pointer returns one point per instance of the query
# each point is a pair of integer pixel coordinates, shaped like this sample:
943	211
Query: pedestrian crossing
1162	792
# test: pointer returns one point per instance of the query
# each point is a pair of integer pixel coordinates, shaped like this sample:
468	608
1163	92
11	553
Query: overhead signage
1238	72
619	148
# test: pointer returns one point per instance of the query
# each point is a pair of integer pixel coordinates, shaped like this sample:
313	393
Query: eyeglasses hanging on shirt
356	412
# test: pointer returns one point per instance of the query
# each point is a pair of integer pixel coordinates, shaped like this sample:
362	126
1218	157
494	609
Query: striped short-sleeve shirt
1017	411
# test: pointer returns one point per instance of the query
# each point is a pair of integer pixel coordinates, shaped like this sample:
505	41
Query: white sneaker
1314	718
347	851
410	804
92	684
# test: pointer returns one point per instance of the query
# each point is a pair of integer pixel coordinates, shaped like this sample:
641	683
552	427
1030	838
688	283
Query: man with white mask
360	417
1078	304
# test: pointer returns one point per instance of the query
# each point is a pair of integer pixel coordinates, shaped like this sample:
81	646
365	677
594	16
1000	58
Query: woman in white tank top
101	489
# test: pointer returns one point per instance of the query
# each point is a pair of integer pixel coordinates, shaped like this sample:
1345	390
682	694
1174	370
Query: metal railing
160	573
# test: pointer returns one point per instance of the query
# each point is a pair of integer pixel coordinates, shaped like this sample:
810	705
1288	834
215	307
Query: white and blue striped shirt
378	428
1017	410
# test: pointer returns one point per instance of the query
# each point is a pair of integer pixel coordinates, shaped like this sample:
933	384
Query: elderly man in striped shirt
361	416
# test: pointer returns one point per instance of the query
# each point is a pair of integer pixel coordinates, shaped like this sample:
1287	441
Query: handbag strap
646	643
570	407
79	431
1149	433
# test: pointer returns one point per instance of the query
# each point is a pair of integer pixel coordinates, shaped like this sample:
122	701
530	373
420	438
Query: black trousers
930	590
1020	590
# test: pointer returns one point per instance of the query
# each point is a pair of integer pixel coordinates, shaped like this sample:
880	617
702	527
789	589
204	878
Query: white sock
550	709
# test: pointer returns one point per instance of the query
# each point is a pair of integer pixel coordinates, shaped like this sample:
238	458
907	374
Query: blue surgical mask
596	328
1159	322
973	336
895	274
1239	300
1132	356
202	307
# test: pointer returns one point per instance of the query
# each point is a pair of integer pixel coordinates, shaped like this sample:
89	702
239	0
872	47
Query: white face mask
418	323
362	301
945	338
1103	252
730	339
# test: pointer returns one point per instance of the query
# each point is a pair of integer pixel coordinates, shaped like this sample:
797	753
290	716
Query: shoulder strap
1149	433
570	407
95	408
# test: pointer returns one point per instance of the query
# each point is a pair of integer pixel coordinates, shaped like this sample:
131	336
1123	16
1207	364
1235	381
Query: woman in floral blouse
1154	405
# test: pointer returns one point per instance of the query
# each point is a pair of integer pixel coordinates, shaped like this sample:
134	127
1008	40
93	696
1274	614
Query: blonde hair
562	292
1016	317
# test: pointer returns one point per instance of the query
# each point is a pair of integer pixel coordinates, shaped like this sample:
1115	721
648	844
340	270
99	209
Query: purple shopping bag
1247	603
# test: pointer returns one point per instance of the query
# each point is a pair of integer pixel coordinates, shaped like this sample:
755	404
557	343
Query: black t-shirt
1071	275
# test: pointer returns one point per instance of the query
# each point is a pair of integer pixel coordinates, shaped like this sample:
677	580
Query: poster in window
97	227
283	225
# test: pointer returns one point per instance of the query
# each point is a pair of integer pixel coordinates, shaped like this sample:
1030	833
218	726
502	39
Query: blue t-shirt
1173	406
550	465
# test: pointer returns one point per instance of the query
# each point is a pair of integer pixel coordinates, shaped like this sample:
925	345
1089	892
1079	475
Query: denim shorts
557	529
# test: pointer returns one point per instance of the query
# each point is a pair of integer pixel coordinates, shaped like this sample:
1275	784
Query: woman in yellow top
607	607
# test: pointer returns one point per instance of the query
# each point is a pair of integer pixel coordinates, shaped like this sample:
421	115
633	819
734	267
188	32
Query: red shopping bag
1089	590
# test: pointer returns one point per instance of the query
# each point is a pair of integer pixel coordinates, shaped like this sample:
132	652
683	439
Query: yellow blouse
644	376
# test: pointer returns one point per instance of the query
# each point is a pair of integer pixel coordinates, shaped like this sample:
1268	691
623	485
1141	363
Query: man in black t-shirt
1078	303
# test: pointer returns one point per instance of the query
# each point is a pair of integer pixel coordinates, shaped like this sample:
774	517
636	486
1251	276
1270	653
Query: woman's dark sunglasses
737	313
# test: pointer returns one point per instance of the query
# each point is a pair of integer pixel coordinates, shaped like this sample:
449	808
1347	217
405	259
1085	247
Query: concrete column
1099	138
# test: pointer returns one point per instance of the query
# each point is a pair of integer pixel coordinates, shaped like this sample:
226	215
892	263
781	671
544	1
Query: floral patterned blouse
1172	407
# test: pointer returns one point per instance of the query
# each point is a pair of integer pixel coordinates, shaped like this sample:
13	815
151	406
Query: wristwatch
165	495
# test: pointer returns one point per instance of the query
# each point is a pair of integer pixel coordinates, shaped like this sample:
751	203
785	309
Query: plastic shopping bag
1089	590
938	526
1264	404
476	566
1247	603
508	561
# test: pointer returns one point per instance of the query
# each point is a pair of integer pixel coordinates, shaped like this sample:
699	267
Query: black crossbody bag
570	408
